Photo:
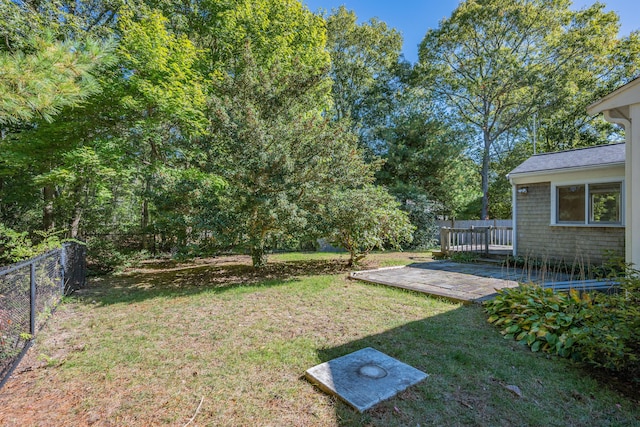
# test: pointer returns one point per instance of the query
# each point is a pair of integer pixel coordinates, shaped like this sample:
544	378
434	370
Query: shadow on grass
471	368
427	345
168	279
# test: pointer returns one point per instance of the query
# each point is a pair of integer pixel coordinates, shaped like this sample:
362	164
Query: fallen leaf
514	389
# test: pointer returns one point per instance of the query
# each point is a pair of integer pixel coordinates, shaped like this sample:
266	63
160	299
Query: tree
44	69
277	152
43	74
365	62
498	62
422	213
162	98
96	163
426	155
362	219
39	84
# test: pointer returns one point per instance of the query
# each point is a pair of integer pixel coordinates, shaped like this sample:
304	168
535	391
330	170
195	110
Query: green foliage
53	75
18	246
360	220
182	199
282	32
496	64
425	154
610	337
500	190
160	83
597	329
14	246
105	256
465	257
422	215
278	153
365	63
543	319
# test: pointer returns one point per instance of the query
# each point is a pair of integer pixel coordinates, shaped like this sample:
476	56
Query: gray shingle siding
537	239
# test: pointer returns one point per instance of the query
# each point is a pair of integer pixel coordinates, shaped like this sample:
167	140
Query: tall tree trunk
75	222
144	224
258	255
48	221
486	157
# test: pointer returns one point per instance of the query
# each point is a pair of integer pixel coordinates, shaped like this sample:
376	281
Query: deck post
444	240
487	232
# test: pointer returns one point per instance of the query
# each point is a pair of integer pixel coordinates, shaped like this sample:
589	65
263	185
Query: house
622	106
549	190
570	206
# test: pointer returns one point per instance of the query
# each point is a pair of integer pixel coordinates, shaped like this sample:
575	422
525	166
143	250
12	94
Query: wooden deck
481	240
492	250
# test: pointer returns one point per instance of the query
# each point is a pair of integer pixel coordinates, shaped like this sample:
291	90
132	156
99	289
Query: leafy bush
539	317
105	256
610	337
360	220
422	214
600	330
14	246
17	246
464	257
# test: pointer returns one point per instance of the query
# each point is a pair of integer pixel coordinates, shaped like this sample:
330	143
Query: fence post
32	299
63	266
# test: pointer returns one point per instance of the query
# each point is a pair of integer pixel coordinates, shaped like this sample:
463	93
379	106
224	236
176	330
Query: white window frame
587	202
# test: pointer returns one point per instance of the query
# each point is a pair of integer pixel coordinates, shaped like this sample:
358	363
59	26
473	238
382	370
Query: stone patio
454	281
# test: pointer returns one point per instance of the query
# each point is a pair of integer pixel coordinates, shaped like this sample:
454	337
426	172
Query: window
571	204
595	203
604	203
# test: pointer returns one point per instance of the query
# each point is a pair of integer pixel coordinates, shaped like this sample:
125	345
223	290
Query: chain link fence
29	292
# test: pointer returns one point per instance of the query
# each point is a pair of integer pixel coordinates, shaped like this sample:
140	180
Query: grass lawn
153	345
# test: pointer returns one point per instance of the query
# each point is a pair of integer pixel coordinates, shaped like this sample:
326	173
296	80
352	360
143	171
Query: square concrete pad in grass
364	378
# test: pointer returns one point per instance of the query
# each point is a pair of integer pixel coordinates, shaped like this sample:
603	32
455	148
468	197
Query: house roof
582	158
618	100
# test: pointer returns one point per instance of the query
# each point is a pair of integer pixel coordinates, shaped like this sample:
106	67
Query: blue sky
414	17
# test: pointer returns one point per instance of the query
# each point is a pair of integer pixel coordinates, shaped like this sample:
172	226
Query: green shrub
465	257
104	256
597	329
610	337
539	317
18	246
363	219
422	214
14	246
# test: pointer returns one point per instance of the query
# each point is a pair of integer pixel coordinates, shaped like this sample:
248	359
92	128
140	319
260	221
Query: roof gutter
510	176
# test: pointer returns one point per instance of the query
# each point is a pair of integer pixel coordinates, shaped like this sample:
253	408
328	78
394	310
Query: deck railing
475	239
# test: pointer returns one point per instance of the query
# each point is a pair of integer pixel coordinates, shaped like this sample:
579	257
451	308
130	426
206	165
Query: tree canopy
497	63
253	125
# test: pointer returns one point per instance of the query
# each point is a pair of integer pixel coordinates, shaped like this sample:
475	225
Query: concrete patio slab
364	378
454	281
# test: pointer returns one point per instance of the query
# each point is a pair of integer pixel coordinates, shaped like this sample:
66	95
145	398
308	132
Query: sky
414	17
